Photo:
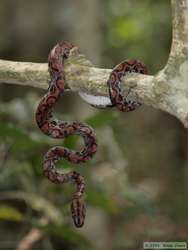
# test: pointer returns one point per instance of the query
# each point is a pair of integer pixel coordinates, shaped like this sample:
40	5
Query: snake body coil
124	103
60	129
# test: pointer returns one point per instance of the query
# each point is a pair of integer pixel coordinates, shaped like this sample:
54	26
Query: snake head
78	210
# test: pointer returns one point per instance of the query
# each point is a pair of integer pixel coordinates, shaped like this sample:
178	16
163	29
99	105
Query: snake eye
78	212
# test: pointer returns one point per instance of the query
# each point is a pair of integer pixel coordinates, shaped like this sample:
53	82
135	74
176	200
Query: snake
124	102
62	129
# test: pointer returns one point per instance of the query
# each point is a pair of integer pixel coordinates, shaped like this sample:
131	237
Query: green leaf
37	203
129	29
10	213
70	141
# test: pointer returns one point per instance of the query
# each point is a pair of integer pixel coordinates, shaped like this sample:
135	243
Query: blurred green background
137	182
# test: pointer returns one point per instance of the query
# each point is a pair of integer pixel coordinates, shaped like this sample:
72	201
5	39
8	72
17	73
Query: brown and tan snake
61	129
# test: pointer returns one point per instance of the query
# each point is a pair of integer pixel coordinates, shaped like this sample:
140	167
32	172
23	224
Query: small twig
30	239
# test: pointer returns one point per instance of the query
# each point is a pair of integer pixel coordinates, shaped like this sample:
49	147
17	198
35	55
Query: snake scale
60	129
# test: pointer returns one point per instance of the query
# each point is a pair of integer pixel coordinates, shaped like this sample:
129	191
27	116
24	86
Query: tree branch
30	239
167	90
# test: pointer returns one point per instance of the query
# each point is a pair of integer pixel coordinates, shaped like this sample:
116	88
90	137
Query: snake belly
60	129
